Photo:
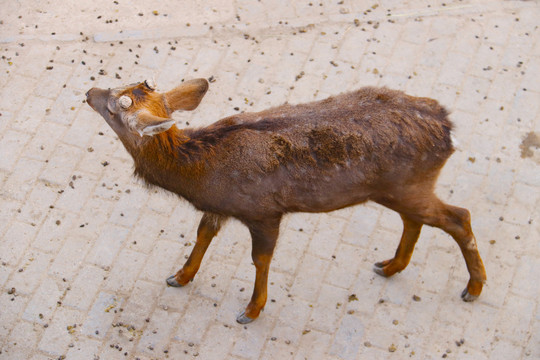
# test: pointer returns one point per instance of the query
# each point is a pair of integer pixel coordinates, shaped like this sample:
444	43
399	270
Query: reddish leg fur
264	237
411	231
453	220
208	228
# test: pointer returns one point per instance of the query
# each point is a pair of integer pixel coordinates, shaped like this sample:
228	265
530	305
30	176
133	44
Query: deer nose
88	93
89	96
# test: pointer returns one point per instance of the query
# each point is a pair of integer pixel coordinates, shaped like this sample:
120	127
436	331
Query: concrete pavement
85	248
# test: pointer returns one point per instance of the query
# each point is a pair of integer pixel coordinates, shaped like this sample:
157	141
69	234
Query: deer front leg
264	237
208	228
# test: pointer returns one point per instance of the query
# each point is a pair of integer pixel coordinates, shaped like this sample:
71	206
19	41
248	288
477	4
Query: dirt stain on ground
530	142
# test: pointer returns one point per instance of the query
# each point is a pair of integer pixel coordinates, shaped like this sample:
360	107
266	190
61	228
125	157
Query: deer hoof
243	319
378	269
171	281
467	297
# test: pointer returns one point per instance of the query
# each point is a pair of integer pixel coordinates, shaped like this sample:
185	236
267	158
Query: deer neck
164	160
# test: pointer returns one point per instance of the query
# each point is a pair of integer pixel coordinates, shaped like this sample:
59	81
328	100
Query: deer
373	144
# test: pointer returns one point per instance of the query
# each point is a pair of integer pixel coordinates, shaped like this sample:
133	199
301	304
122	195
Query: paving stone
7	212
43	142
44	301
60	168
140	305
231	244
308	281
348	338
198	317
357	231
158	264
531	348
40	357
523	283
30	272
124	272
146	232
61	331
12	307
233	302
368	289
15	241
504	350
127	209
250	341
11	145
84	287
216	344
108	245
214	279
16	349
30	115
291	245
101	315
69	257
83	348
344	266
22	178
54	229
4	274
77	193
514	327
313	344
13	99
324	317
156	335
324	241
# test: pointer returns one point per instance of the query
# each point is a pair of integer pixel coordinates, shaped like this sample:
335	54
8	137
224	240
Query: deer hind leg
264	237
208	228
455	221
411	231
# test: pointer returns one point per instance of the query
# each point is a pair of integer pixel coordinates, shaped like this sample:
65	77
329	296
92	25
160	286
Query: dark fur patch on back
211	136
327	147
285	152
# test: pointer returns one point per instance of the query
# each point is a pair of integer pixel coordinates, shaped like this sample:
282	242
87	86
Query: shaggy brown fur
372	144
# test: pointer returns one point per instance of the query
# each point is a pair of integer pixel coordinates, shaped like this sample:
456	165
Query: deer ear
187	96
147	124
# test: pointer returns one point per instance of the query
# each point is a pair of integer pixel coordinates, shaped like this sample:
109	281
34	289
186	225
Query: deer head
139	110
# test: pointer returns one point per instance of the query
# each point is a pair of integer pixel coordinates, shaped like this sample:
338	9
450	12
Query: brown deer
372	144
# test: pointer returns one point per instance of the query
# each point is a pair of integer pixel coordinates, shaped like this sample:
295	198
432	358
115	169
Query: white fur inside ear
156	129
150	83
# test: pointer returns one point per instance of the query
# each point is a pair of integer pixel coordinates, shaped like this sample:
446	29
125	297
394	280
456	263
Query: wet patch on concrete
529	144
